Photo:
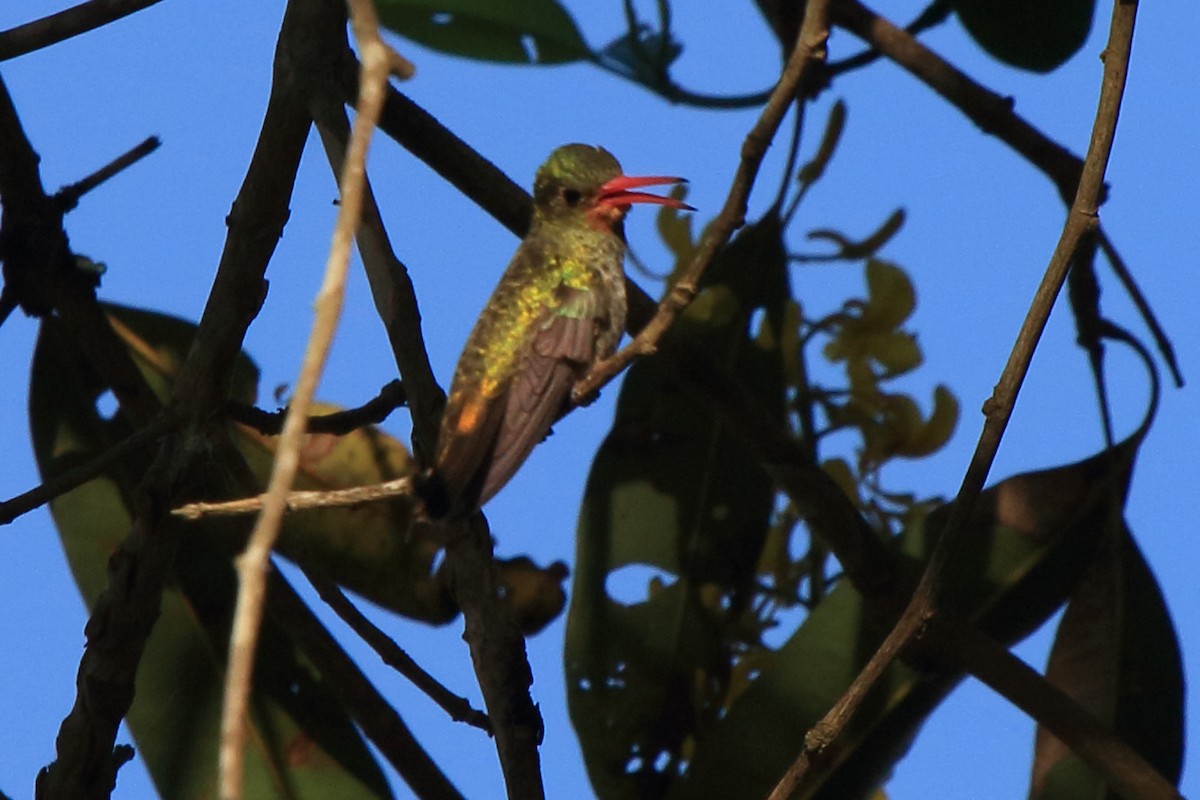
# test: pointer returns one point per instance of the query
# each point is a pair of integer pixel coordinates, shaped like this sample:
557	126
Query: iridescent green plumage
558	309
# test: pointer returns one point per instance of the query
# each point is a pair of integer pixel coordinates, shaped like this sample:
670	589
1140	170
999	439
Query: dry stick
810	50
64	24
1081	219
77	476
459	708
254	562
299	500
496	644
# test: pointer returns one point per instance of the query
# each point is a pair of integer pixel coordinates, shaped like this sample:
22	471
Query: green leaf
1116	653
514	31
302	743
673	489
869	331
1029	541
1037	35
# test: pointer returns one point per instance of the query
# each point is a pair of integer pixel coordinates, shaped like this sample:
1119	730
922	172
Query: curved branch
923	610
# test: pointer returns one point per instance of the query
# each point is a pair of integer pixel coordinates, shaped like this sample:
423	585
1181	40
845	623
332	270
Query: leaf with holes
515	31
1028	542
674	493
302	743
373	549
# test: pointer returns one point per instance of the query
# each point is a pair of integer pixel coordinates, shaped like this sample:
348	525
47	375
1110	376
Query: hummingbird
558	309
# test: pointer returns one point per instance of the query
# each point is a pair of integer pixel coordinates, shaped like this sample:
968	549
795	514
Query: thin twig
339	423
810	50
68	196
377	63
300	500
377	719
1082	218
393	655
77	476
1161	341
65	24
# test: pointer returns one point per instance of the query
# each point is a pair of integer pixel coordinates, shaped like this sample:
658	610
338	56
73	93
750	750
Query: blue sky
981	226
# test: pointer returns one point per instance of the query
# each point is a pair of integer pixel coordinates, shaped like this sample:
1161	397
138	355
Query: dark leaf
1032	34
303	745
674	493
1031	537
1116	653
812	171
515	31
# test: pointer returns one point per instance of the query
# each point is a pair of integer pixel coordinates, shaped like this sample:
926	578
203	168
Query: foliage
740	631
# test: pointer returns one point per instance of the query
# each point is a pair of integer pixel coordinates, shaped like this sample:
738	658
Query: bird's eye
571	196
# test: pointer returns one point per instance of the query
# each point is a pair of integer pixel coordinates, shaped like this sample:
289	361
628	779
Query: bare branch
991	112
300	500
339	423
393	655
1082	219
66	23
61	484
68	196
255	561
379	721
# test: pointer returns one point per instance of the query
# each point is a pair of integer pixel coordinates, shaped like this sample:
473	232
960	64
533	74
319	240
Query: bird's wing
559	351
468	435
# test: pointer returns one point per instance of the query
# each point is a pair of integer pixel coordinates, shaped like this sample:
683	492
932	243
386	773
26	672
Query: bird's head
584	184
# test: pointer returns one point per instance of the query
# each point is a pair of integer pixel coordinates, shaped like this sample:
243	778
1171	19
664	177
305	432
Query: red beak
616	192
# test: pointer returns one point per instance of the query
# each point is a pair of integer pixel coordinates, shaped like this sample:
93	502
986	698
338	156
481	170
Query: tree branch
393	655
378	62
991	112
339	423
1083	218
809	51
68	196
65	24
379	721
125	612
65	482
299	500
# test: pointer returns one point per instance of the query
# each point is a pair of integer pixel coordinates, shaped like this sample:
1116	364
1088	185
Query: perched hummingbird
559	309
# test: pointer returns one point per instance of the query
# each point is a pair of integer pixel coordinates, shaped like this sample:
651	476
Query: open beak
616	192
